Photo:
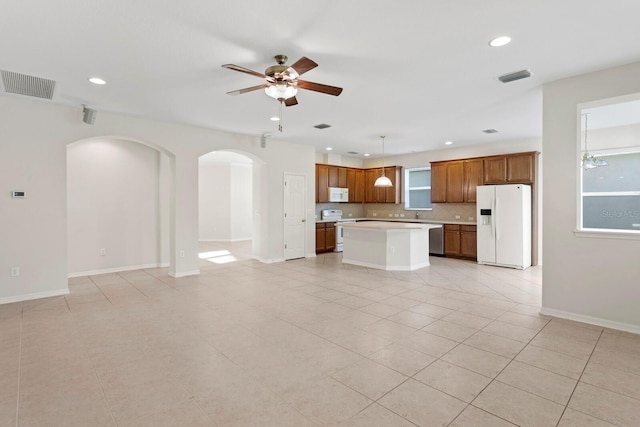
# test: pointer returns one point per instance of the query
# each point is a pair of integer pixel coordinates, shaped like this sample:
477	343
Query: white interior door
294	216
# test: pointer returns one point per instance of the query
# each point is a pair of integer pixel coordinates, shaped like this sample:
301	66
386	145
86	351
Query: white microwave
338	194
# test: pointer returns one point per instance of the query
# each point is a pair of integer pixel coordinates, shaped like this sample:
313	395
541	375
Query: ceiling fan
282	82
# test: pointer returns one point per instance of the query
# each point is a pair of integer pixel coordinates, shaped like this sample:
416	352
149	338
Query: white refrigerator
503	213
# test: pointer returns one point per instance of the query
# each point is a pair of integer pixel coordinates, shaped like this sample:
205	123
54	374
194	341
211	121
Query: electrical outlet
15	271
397	215
350	215
181	254
374	214
103	251
457	216
390	215
470	218
401	215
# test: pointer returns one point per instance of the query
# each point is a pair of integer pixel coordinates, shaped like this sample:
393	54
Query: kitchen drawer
320	226
468	228
451	227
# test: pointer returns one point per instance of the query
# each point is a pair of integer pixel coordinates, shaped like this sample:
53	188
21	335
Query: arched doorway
118	205
226	207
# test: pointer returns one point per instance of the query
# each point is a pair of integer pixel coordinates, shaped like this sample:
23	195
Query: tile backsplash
454	212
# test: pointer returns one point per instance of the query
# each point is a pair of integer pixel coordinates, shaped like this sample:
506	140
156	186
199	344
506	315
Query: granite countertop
423	221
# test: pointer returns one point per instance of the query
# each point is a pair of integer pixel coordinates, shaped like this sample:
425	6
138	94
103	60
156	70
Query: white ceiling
418	71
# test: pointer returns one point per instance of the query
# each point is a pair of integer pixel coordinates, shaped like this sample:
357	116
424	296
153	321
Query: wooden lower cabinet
460	241
452	239
468	241
325	237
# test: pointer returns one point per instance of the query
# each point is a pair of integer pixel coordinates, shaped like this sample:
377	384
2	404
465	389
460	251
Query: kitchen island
392	246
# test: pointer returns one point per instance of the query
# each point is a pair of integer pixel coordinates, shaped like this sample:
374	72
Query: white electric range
336	214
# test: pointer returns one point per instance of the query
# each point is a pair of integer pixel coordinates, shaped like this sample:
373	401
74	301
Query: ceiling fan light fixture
281	91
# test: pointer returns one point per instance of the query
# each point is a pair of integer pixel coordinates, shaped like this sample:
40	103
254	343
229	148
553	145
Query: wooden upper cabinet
454	182
511	168
471	178
322	183
370	191
333	176
438	182
495	170
355	184
521	168
342	178
373	194
393	194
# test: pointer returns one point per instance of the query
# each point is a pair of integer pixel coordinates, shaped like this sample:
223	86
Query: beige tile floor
310	342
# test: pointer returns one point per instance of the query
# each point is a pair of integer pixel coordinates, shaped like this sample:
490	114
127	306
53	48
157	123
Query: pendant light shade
383	180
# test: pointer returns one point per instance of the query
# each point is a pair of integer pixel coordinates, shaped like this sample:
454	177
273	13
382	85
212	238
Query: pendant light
589	161
382	180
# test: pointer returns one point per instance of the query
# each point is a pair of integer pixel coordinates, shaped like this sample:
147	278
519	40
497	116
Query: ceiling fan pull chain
280	114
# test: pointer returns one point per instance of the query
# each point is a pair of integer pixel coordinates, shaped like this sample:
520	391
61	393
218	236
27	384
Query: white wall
241	201
415	160
33	151
584	278
112	204
226	193
214	187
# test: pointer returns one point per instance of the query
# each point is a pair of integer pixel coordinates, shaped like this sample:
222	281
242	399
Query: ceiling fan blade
248	89
290	102
244	70
318	87
303	65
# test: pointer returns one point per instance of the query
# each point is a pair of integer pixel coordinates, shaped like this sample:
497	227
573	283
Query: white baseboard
226	240
269	261
37	295
116	269
385	267
627	327
184	273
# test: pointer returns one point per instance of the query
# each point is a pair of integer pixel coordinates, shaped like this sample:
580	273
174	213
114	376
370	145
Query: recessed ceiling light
500	41
97	81
275	119
329	148
448	143
367	154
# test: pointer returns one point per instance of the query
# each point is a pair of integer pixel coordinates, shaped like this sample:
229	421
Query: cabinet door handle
304	220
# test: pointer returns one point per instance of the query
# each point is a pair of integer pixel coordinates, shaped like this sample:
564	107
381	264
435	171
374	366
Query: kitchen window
417	188
611	194
610	169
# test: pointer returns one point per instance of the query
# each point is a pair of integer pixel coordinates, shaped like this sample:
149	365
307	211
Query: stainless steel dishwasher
436	241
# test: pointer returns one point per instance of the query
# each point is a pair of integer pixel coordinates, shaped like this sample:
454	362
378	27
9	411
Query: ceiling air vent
490	131
352	152
512	77
23	84
322	126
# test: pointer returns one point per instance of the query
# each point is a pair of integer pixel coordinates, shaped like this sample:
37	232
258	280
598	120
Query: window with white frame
417	188
610	168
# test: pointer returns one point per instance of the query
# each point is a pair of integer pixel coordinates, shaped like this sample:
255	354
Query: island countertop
386	225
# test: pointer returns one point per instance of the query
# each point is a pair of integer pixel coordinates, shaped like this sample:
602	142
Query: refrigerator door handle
494	223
